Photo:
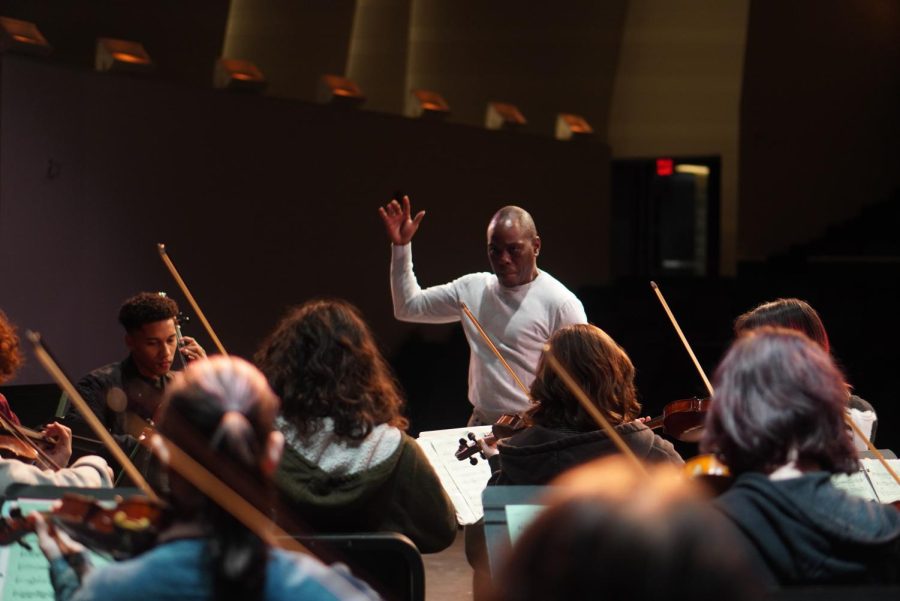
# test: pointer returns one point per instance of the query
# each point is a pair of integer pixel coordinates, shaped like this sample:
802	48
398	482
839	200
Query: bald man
518	305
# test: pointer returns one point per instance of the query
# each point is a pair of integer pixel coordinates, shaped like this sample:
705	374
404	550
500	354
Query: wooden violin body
123	531
683	419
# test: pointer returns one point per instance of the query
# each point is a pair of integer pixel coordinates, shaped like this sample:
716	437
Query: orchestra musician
797	314
610	532
518	304
225	407
777	421
89	471
349	465
563	434
125	395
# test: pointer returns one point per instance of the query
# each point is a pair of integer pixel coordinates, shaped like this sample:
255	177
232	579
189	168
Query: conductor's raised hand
398	222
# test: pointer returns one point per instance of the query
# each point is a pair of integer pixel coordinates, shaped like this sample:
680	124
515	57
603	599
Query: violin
683	419
506	426
125	530
24	444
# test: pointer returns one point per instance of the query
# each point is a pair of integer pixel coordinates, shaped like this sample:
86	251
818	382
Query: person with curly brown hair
10	361
88	471
349	465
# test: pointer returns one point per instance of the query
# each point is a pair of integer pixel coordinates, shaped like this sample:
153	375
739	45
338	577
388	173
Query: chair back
387	561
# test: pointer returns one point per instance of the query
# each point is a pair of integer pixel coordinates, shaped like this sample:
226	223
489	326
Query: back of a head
778	397
610	533
322	361
221	412
144	308
790	313
10	353
602	369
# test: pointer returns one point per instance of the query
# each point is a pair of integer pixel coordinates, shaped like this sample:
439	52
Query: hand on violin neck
191	350
487	449
58	441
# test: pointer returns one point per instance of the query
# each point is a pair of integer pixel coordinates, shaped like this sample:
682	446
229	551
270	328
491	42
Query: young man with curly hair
126	394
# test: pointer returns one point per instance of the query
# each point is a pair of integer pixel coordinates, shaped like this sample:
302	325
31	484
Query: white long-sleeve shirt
518	320
90	471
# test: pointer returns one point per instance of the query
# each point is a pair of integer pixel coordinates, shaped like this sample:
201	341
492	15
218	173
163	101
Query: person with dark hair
519	305
777	421
126	395
609	532
562	434
796	314
89	471
222	412
349	465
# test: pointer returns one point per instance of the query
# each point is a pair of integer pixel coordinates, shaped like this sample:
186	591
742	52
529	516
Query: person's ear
129	342
274	448
537	245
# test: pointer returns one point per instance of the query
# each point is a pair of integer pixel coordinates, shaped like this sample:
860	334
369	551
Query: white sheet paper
463	481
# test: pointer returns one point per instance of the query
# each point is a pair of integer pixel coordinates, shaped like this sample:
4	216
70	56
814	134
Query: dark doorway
665	217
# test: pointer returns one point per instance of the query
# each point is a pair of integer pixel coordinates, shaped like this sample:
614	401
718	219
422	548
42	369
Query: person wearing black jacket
777	420
562	434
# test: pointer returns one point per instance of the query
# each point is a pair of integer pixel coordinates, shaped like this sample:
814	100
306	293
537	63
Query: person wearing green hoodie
349	465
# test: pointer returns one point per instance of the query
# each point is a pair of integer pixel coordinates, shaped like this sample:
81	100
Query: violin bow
496	351
223	495
871	447
681	335
591	409
92	420
847	418
187	293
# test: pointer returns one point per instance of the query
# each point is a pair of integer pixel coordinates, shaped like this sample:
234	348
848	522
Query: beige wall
546	57
677	90
378	52
294	42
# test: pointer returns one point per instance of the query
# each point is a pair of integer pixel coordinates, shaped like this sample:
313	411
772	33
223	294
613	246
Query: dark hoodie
401	494
805	531
538	454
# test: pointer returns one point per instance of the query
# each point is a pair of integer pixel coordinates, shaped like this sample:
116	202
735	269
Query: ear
537	245
274	448
129	342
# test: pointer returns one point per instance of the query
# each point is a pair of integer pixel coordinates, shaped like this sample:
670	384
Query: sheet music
462	480
24	574
883	483
856	484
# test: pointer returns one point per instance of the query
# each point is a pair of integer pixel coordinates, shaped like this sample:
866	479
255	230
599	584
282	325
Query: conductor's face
512	251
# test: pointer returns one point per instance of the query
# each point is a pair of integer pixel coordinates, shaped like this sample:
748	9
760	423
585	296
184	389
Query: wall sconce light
503	115
339	91
428	105
121	55
239	75
22	37
570	126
